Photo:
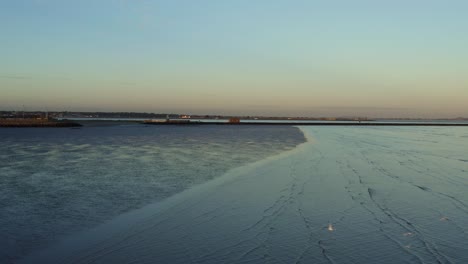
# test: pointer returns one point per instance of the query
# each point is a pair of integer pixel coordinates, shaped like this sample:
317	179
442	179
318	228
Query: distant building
234	120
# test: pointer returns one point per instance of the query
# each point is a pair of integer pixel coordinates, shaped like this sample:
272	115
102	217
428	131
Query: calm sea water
56	182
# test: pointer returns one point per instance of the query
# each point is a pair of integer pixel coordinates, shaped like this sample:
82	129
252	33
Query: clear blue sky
295	57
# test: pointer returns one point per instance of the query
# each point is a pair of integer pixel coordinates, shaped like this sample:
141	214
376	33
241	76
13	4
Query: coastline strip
303	124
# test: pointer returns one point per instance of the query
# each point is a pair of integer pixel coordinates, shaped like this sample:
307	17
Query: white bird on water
330	227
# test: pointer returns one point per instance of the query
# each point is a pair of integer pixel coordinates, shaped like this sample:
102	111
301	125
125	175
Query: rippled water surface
55	182
348	195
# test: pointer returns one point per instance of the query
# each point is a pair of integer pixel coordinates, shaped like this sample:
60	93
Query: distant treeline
65	114
115	115
21	115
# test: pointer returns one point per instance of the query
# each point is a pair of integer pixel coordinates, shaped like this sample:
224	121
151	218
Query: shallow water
56	182
348	195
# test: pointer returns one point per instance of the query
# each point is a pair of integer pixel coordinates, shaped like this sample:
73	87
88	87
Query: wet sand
348	195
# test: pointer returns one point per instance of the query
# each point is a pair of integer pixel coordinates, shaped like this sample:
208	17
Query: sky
244	57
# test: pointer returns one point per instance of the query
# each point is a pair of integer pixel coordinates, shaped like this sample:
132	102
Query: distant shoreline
355	123
31	122
75	115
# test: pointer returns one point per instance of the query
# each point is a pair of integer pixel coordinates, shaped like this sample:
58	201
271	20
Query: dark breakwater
36	123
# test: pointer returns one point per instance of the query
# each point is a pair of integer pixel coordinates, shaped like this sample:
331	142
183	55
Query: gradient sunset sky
255	57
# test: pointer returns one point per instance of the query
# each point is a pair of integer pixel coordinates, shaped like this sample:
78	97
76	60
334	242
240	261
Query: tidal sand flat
57	182
347	195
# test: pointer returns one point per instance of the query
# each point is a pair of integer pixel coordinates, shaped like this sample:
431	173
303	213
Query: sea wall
36	123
